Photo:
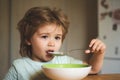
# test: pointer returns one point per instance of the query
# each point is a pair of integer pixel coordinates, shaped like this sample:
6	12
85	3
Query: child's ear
28	42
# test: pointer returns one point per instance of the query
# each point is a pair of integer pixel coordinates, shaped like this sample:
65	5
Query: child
42	31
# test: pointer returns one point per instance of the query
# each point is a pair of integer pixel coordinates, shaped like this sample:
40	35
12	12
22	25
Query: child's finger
92	42
96	46
87	51
100	47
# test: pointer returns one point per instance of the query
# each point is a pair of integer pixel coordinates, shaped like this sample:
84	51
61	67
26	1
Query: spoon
62	54
57	53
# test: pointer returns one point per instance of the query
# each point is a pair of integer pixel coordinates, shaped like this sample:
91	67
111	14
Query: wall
110	35
4	37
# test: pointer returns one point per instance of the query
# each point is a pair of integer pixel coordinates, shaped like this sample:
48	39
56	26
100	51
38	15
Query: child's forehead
50	28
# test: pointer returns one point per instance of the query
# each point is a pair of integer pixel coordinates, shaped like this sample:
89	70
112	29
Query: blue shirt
28	69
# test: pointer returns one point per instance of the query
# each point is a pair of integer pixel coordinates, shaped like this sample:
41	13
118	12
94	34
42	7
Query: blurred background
88	19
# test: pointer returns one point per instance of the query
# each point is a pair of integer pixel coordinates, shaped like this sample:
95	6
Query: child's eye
44	37
57	38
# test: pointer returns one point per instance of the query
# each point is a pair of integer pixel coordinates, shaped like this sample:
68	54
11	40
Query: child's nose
51	43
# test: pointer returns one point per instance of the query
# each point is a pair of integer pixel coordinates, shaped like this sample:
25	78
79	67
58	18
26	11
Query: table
103	77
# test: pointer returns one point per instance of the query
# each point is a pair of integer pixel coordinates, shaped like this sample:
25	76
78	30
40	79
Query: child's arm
97	47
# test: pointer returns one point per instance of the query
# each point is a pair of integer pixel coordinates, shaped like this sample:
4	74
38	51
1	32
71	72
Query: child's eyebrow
42	33
59	34
48	34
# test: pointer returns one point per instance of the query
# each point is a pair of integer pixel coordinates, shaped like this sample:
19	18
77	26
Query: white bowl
66	71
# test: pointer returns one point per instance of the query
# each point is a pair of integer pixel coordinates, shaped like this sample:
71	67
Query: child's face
46	39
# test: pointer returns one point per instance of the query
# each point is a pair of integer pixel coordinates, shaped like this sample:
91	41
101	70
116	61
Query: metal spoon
57	53
62	53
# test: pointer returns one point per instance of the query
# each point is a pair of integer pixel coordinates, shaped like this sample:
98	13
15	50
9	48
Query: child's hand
96	46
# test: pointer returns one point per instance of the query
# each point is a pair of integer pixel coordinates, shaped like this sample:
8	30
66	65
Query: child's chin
49	58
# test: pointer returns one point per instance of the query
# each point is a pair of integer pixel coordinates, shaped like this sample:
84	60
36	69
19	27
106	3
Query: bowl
66	71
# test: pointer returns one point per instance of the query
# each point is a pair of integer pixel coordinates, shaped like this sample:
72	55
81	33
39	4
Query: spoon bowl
57	53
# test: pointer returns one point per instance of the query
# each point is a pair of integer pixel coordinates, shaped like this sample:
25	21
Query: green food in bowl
65	65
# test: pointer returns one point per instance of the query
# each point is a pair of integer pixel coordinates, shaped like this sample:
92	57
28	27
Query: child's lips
49	53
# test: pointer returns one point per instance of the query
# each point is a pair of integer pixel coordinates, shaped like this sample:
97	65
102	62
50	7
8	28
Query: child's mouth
49	53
